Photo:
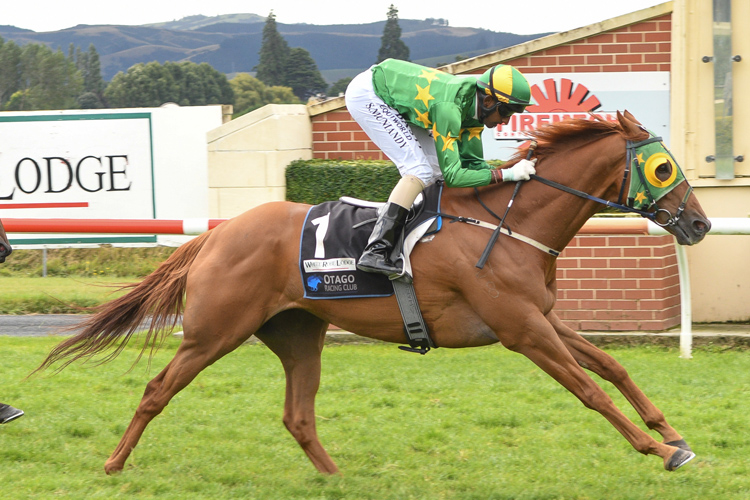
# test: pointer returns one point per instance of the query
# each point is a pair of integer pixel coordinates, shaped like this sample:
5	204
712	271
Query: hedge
316	181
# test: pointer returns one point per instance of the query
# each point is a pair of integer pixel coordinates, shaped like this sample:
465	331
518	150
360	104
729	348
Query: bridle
659	216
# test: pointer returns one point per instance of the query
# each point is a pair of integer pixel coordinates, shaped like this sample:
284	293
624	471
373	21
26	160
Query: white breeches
411	148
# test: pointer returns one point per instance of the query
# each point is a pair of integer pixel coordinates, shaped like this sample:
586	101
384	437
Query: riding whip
496	232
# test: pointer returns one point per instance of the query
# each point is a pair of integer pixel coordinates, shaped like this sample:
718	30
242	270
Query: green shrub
316	181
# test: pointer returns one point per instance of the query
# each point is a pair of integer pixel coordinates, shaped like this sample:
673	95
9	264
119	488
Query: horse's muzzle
691	230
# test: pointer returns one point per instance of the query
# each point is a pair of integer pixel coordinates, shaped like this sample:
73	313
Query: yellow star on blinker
639	157
423	95
640	197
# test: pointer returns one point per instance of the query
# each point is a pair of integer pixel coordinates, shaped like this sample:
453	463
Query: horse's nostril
701	226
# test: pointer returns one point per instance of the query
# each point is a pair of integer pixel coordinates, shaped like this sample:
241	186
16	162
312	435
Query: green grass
456	424
76	278
55	295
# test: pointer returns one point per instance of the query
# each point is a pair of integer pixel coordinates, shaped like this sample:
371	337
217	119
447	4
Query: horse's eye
664	171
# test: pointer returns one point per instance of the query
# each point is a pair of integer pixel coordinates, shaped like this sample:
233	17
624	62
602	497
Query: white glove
520	171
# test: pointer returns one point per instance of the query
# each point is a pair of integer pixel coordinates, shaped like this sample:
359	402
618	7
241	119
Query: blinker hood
646	188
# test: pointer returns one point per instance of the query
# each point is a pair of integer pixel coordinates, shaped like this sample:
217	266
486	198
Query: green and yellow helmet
506	85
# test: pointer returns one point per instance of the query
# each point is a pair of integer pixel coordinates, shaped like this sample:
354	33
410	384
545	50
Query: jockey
429	123
8	413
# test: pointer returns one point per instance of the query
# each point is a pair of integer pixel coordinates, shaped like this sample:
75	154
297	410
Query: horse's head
657	186
5	248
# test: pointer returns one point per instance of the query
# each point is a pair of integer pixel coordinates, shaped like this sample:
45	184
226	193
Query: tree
89	66
302	75
391	44
48	80
281	66
339	87
251	94
184	83
274	51
10	70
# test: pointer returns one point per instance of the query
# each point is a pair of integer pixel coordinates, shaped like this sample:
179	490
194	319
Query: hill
231	43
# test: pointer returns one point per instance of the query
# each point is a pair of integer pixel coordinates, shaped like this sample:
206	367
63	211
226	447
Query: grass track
56	295
478	423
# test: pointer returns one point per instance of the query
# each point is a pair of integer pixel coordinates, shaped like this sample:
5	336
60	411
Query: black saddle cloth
333	237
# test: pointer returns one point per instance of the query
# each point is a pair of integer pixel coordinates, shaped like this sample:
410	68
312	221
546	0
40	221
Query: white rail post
686	320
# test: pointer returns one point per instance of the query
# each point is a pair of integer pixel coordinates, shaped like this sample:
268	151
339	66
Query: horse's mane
556	136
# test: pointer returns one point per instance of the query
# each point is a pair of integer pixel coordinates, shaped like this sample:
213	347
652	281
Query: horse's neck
551	216
594	170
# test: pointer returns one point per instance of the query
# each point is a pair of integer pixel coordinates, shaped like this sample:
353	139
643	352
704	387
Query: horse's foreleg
541	345
590	357
297	338
191	358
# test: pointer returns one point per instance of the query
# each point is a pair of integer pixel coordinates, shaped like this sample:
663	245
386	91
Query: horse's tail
160	294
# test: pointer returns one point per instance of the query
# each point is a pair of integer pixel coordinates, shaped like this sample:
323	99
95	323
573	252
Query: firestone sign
558	97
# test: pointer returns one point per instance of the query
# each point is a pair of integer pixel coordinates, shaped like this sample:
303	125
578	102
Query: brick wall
619	283
644	46
337	136
605	283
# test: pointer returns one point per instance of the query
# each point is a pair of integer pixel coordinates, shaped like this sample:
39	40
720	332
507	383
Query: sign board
143	163
557	96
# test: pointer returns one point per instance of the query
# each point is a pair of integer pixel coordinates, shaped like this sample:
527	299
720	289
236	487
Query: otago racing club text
339	283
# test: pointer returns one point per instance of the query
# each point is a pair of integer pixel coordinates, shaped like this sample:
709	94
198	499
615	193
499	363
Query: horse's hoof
678	459
112	469
681	444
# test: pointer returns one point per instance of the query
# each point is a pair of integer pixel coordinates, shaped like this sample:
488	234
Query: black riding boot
385	242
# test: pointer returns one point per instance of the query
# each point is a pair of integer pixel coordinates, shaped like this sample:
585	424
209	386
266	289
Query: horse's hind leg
297	338
191	358
592	358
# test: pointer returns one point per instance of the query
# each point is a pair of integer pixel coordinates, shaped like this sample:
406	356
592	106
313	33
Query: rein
581	194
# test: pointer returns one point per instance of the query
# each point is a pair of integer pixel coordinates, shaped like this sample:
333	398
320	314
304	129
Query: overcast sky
513	16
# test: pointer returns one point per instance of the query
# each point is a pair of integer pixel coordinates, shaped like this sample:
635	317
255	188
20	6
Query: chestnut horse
242	278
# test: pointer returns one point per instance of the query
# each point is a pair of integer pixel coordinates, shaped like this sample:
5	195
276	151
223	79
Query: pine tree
274	52
92	77
391	44
302	75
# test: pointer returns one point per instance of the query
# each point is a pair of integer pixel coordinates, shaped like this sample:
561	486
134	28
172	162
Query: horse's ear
630	125
630	117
